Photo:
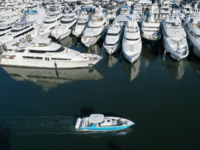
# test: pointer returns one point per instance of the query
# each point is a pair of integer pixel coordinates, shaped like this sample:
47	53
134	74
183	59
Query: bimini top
96	118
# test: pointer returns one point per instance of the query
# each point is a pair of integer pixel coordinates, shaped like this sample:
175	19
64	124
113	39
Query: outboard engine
78	123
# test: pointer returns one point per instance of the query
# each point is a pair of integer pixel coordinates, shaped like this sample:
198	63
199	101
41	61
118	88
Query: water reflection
176	69
68	41
5	135
194	63
51	78
131	70
149	54
111	60
95	49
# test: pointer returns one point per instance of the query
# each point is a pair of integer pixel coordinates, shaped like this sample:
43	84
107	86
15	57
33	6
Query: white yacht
165	11
66	25
111	11
125	10
21	31
96	29
51	20
43	53
187	9
174	38
150	30
87	2
131	44
192	28
82	22
6	26
137	9
113	38
9	15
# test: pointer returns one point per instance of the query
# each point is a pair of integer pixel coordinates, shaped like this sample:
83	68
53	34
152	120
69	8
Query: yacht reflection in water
51	78
95	49
176	69
194	63
111	60
68	41
131	70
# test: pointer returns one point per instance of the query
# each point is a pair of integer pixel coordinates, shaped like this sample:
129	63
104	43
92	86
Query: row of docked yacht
91	23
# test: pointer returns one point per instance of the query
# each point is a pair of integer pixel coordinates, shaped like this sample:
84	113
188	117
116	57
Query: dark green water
38	107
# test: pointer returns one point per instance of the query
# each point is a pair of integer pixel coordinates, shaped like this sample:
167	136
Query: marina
112	75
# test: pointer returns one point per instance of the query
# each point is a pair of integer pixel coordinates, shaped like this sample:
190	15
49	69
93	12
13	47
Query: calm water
38	107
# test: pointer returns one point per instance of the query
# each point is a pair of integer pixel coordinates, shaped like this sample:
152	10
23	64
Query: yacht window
49	22
30	57
132	39
81	23
60	59
5	29
17	30
21	50
65	22
40	51
112	34
24	32
173	25
108	120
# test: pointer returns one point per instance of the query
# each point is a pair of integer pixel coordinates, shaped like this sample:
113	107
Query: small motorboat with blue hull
97	122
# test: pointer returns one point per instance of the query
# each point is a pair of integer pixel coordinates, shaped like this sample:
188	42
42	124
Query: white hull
172	52
48	64
111	50
62	36
130	53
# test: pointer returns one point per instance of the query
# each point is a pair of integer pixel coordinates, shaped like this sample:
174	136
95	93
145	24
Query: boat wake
25	125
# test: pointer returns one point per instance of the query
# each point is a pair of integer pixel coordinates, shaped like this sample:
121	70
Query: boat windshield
173	25
132	29
128	39
112	34
69	17
97	19
81	23
49	22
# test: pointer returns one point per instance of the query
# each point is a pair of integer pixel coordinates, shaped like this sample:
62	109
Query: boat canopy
96	118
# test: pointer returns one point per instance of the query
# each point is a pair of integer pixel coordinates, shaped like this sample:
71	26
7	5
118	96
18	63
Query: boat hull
118	128
48	64
149	42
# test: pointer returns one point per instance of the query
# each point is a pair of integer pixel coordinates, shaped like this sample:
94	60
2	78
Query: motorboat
43	53
82	22
174	38
192	28
52	19
131	44
96	28
66	25
99	122
125	10
111	11
187	9
113	38
137	9
21	31
87	2
150	30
